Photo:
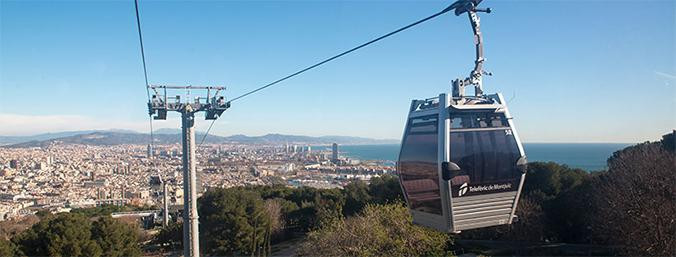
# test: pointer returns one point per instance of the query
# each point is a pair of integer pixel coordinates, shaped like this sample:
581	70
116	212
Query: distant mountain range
172	136
8	140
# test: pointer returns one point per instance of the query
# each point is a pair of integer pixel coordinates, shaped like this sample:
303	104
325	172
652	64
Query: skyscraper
14	164
150	151
334	156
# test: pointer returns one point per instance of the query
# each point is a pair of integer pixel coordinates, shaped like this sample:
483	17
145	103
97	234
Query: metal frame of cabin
468	210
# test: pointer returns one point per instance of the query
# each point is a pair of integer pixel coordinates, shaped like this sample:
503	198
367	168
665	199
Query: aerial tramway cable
444	193
344	53
206	133
447	9
145	70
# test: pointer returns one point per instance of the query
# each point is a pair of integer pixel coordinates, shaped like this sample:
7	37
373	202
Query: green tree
8	248
233	221
315	207
554	206
546	180
274	211
356	197
669	141
328	206
569	215
385	189
289	221
379	230
115	238
380	190
100	210
543	180
302	194
304	218
65	234
274	191
171	237
105	210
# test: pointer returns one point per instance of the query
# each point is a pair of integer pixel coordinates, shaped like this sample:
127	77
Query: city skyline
601	77
339	127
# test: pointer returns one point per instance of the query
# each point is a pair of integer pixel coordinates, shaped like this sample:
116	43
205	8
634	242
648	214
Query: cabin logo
463	189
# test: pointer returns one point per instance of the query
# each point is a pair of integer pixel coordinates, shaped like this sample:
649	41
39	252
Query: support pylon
190	225
213	107
165	203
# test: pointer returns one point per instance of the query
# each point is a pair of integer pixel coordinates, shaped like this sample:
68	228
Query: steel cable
447	9
143	54
344	53
145	72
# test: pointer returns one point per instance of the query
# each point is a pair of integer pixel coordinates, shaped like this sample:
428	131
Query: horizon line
276	133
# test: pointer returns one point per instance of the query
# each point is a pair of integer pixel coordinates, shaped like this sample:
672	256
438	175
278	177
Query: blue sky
575	71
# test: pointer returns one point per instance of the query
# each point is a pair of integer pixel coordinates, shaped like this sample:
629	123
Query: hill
8	140
166	137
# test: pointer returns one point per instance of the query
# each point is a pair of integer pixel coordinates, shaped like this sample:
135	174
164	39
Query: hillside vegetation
629	209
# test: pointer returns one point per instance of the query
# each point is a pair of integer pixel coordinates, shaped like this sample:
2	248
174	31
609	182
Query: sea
587	156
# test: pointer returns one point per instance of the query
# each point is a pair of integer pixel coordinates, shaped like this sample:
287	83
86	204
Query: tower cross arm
213	105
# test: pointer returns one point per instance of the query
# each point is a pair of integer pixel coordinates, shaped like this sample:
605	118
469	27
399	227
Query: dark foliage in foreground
233	222
8	248
116	239
547	207
378	230
170	237
630	208
248	220
72	234
635	200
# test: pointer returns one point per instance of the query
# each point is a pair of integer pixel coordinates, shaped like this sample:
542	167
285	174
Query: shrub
116	239
379	230
65	234
8	248
170	237
73	234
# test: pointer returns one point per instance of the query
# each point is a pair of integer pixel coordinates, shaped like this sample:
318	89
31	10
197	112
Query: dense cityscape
60	177
347	128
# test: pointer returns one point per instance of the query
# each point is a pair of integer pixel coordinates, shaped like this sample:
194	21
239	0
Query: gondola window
418	165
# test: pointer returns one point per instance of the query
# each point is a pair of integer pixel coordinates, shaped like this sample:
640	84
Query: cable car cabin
461	164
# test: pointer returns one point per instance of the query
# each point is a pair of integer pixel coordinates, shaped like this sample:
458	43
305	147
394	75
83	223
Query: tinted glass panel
418	165
484	155
478	120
